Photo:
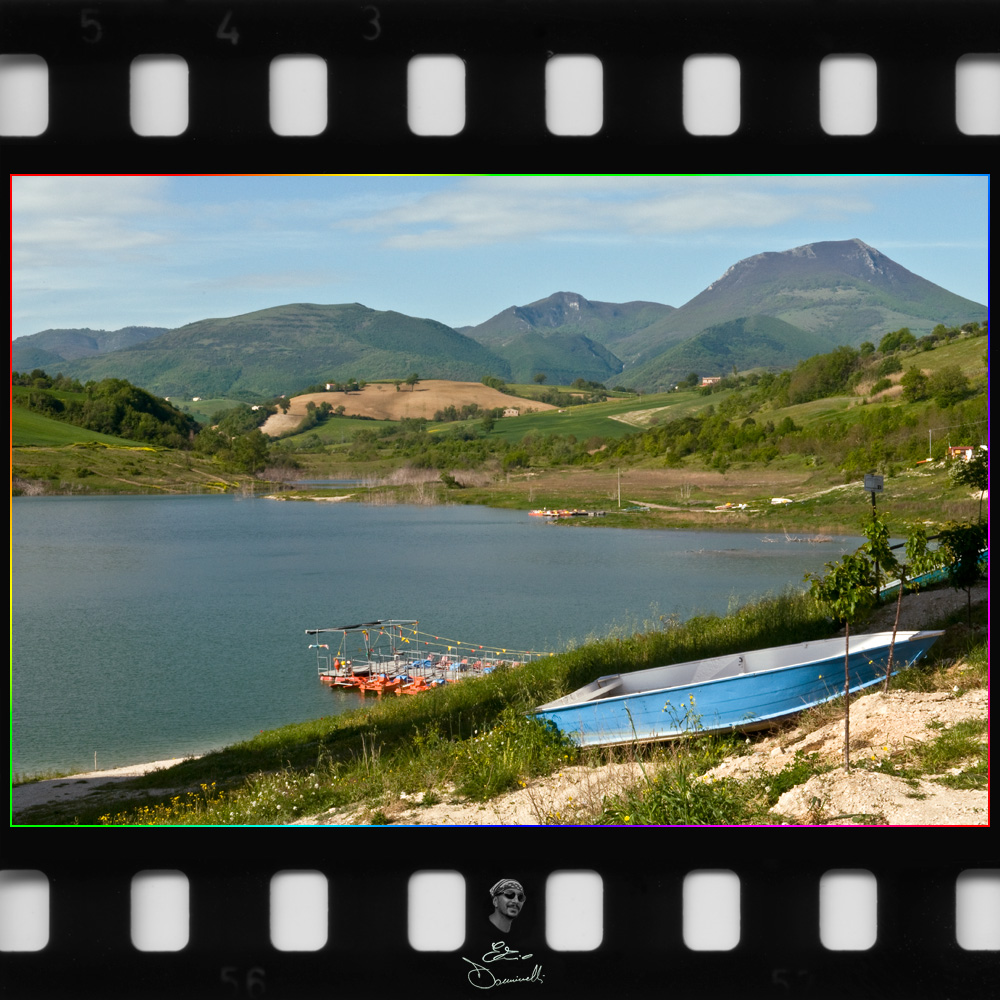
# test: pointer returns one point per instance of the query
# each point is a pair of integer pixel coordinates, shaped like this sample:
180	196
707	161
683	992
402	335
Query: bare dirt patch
882	726
382	401
660	486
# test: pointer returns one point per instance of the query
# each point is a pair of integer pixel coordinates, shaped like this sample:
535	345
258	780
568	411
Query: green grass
588	419
29	428
472	741
679	795
204	409
115	467
967	353
473	737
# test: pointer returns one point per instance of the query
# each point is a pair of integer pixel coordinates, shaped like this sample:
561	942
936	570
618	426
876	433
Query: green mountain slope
604	322
50	348
563	357
287	347
748	342
843	291
566	336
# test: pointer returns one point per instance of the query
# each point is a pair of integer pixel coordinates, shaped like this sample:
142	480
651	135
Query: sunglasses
519	896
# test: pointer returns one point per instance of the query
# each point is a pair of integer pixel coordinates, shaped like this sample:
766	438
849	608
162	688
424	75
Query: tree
964	544
898	339
412	380
847	591
974	473
877	549
948	386
914	384
918	560
884	565
540	377
250	452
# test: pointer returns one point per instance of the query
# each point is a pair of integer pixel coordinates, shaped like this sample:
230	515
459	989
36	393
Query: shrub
948	386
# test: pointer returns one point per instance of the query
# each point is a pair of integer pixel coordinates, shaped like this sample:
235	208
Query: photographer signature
483	978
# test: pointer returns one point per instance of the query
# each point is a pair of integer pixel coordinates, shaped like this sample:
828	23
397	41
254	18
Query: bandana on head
506	883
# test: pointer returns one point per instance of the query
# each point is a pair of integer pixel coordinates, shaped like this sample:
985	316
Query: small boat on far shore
738	691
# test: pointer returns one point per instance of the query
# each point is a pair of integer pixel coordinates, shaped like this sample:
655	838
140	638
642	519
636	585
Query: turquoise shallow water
151	627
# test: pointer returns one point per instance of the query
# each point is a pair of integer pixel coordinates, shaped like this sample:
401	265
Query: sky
108	252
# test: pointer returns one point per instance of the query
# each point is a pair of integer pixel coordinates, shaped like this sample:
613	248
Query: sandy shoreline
77	786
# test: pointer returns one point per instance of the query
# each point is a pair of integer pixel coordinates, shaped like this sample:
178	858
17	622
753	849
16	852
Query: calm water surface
146	628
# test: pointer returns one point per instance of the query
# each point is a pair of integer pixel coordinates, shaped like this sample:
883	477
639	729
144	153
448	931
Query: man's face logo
509	902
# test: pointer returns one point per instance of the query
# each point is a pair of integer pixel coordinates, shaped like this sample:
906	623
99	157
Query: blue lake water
146	628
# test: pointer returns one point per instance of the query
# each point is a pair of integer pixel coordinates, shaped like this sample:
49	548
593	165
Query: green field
594	419
30	428
57	457
204	409
968	353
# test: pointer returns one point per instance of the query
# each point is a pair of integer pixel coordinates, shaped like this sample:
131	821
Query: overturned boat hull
741	691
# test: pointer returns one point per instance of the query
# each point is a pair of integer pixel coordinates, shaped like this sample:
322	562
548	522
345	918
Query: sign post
873	485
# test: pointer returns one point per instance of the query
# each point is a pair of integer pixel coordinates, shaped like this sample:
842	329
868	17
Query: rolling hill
285	348
383	402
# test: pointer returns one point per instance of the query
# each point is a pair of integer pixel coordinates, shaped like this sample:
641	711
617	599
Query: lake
146	628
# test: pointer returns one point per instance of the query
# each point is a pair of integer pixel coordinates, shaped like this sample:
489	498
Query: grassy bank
472	741
473	736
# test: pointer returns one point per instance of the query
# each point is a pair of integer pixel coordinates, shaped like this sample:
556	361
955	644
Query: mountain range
770	310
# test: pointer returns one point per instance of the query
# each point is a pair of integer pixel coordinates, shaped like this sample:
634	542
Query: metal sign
873	484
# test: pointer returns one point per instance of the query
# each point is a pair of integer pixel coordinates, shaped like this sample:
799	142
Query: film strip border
806	930
644	76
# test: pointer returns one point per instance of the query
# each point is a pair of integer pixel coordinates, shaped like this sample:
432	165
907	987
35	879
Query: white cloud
63	219
483	211
116	196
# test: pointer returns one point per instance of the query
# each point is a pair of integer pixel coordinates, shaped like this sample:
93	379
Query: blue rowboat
741	691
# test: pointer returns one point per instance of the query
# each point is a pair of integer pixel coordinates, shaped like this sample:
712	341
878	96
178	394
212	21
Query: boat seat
606	690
